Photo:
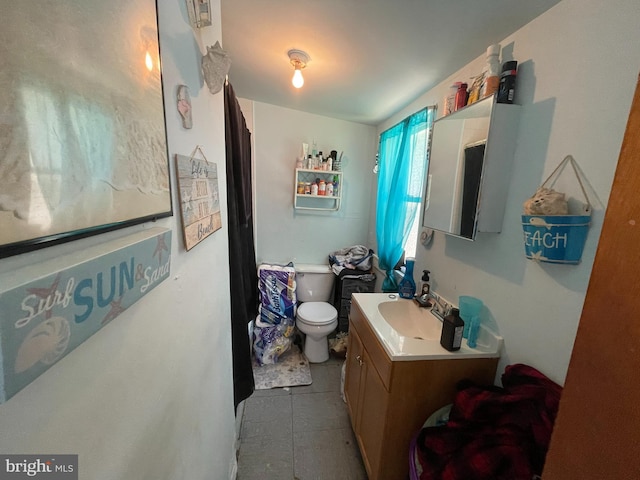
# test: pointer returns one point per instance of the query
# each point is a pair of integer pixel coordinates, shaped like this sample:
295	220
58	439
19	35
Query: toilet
315	317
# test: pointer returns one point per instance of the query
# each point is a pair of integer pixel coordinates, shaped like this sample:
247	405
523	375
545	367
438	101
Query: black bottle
452	327
507	87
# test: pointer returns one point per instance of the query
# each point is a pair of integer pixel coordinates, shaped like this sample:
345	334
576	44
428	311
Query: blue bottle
407	286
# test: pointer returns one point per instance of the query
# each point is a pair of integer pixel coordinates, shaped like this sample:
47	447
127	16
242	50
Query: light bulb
148	62
297	80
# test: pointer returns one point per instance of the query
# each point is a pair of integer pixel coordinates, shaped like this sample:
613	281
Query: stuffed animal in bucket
546	201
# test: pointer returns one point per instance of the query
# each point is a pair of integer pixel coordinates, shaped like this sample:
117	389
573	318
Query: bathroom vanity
397	374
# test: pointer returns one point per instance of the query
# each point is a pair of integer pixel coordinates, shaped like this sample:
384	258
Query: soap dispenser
425	287
407	286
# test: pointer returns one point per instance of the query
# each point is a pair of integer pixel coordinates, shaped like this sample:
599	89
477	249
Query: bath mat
291	370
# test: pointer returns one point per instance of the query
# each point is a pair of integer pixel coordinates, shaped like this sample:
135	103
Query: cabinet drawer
378	357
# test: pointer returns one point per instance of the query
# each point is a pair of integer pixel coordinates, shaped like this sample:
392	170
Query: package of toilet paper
277	290
271	341
274	327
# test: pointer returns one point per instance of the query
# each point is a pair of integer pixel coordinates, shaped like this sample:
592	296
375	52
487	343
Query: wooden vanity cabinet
388	401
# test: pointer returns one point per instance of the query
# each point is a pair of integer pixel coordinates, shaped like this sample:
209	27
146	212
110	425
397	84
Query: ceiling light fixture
299	60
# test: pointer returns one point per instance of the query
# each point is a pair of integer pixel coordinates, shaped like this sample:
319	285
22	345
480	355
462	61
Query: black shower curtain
242	258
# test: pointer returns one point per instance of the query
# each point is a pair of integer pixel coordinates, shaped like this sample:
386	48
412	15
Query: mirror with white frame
456	166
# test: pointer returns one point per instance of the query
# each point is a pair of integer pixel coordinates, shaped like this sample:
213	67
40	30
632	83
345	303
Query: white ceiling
369	58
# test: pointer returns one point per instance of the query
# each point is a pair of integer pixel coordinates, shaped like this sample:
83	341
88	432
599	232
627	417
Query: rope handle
559	169
195	152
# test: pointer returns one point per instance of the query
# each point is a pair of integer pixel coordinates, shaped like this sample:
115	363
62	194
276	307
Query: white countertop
401	348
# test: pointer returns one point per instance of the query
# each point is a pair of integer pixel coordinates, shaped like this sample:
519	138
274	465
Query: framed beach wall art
199	198
83	145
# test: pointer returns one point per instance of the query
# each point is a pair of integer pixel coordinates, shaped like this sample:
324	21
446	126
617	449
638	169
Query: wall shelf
317	202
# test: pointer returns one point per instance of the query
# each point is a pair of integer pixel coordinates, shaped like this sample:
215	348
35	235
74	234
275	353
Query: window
416	187
403	158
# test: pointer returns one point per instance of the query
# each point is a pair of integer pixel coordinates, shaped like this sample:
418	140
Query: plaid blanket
493	433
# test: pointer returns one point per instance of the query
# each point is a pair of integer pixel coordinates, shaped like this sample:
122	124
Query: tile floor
303	433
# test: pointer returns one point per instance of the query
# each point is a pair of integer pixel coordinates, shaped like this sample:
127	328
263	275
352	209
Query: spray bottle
407	286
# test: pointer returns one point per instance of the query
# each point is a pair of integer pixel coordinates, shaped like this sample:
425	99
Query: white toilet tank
314	283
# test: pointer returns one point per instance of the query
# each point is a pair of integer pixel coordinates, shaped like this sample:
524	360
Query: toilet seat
317	313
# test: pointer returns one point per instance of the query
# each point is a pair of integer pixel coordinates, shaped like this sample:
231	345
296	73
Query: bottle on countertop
507	87
491	72
407	286
425	286
452	327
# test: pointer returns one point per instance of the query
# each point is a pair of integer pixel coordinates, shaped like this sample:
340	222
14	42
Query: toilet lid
317	313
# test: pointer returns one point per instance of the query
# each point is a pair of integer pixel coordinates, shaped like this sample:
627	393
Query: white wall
578	66
150	395
283	234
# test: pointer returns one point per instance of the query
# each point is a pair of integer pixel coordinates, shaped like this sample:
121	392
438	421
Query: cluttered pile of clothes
492	433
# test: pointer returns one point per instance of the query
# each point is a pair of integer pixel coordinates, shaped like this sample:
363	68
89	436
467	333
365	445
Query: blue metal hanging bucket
555	238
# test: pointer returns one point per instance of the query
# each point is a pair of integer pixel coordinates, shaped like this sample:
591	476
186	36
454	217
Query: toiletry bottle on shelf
491	71
450	99
461	96
507	86
452	326
407	286
425	287
329	192
322	188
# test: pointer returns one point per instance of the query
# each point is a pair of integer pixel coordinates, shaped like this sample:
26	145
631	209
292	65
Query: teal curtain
402	157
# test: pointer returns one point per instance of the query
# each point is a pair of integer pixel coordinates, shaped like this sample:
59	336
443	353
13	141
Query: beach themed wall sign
83	145
199	197
46	316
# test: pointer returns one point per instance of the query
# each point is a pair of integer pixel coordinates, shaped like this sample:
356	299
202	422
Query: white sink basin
408	332
411	321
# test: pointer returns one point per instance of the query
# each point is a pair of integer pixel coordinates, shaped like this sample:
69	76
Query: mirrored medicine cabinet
469	170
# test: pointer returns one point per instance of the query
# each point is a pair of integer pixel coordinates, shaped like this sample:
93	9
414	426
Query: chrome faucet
440	308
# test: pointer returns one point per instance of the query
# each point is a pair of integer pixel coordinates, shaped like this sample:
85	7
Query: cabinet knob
359	358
